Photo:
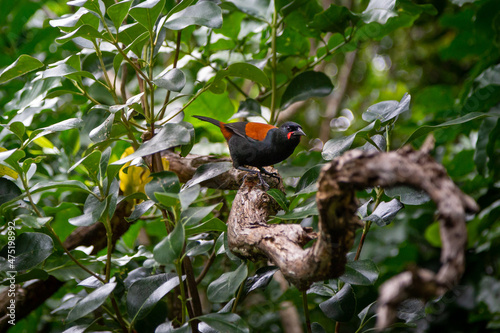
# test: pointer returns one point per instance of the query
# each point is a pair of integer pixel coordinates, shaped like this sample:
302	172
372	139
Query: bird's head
292	130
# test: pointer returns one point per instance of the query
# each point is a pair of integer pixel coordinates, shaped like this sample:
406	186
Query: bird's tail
210	120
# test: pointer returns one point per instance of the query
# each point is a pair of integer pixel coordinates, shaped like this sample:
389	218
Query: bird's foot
261	182
270	174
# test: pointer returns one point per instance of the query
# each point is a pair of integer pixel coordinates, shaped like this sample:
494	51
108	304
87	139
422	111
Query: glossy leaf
335	147
81	17
147	12
32	248
33	221
165	182
306	85
243	70
484	137
300	212
170	135
170	248
279	197
173	80
379	11
103	131
145	293
118	12
188	195
58	127
24	64
91	302
8	190
85	31
225	287
261	278
360	272
205	13
212	225
209	171
93	209
385	212
225	322
193	215
139	210
308	182
408	195
387	110
423	130
342	306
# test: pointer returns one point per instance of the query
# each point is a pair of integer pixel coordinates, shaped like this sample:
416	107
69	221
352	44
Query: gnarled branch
249	236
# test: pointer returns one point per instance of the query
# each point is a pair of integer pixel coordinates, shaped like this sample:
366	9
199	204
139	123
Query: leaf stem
238	296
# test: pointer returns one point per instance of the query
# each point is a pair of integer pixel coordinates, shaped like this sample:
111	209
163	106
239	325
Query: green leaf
260	279
248	108
144	293
212	225
81	17
225	287
103	131
24	64
279	197
193	215
74	184
32	248
300	212
306	85
170	248
308	183
165	182
243	70
198	247
118	12
91	302
97	6
423	130
85	31
18	129
147	12
408	195
33	221
91	163
188	195
170	135
209	171
335	147
205	13
360	272
8	190
387	110
58	127
225	322
93	209
379	11
334	19
342	306
172	79
139	210
432	234
484	137
385	212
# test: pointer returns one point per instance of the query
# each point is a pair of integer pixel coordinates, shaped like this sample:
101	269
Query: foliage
92	88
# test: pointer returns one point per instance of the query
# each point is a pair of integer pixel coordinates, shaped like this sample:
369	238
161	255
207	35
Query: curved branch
249	236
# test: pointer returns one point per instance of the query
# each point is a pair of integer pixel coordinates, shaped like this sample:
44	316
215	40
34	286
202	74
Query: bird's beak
299	132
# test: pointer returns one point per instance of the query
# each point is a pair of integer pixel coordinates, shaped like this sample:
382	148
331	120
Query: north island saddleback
258	145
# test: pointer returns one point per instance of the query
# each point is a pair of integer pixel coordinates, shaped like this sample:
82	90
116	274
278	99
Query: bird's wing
236	128
258	131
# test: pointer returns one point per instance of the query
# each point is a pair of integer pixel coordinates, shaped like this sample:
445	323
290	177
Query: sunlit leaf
205	13
24	64
91	302
173	80
170	248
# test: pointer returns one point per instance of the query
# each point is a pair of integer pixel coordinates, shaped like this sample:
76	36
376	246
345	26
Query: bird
258	145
